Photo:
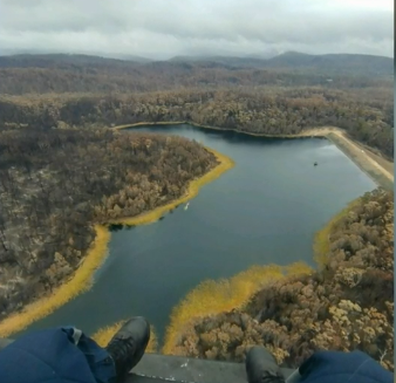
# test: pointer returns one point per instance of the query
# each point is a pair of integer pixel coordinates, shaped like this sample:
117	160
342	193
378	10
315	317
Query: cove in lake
264	210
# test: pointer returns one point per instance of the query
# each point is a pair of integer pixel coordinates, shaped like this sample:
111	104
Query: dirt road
377	167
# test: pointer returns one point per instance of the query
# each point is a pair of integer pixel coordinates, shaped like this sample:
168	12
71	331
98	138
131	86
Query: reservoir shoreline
360	155
82	280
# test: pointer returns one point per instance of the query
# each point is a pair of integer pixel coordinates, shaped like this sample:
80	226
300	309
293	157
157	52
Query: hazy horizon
191	56
160	30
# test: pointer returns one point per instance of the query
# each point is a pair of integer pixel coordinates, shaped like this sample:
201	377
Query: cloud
164	28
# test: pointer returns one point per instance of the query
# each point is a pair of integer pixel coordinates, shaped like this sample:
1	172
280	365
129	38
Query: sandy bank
379	169
82	278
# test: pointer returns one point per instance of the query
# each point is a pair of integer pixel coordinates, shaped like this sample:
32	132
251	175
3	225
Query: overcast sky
164	28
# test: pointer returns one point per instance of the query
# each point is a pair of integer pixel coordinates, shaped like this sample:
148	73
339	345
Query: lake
264	210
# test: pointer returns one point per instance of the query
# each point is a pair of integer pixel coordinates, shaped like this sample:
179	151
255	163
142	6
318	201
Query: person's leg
68	354
261	367
123	352
100	363
321	367
50	355
351	367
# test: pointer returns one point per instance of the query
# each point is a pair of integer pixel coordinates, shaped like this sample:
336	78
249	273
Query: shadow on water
117	227
264	210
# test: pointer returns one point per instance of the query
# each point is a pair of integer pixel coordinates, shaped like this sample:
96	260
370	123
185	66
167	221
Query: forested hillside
55	184
281	95
23	74
62	170
333	64
366	115
348	304
327	64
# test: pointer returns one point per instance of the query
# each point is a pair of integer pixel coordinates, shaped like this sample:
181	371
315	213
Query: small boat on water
315	164
187	205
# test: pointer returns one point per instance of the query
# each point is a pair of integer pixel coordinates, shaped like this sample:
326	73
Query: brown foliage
366	115
56	184
21	74
346	306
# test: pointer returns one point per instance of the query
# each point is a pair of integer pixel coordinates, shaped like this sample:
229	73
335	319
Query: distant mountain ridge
337	63
59	59
334	62
228	61
331	64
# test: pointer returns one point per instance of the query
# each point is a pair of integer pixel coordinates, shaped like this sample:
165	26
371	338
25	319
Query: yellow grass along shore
214	297
321	245
208	298
82	278
225	163
80	282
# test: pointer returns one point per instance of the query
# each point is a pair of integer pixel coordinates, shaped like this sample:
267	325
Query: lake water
264	210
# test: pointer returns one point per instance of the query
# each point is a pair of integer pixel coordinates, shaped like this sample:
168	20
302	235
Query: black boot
127	346
261	367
